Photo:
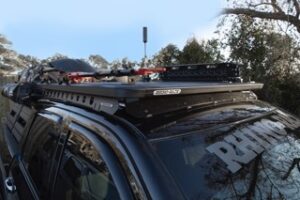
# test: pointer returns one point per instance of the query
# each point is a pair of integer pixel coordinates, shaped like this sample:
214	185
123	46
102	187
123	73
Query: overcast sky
110	28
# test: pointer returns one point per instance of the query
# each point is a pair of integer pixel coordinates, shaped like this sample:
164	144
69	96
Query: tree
126	64
12	61
284	10
168	55
116	64
203	52
5	44
98	61
267	56
193	52
56	56
213	49
29	61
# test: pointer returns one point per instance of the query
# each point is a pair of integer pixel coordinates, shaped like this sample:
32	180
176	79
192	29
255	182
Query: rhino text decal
246	143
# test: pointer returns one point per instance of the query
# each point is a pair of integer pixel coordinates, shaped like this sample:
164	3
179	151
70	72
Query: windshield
250	152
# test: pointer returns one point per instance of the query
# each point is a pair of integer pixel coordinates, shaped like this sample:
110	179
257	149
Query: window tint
21	184
39	151
257	158
83	174
209	119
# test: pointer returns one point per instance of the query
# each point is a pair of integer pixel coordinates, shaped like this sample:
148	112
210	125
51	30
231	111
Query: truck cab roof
168	139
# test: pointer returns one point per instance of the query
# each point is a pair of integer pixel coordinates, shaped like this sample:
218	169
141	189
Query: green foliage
203	52
268	56
290	94
213	48
193	52
28	61
98	61
284	93
11	60
283	13
56	56
264	53
4	43
168	55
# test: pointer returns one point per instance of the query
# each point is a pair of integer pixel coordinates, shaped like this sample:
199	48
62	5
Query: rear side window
208	119
39	153
83	174
23	190
253	157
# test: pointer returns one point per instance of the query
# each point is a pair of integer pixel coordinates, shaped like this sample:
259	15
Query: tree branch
297	7
274	6
264	15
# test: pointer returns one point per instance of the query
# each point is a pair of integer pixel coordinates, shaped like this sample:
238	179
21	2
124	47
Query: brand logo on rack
166	92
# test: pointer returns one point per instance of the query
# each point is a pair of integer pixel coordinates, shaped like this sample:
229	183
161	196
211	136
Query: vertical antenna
145	39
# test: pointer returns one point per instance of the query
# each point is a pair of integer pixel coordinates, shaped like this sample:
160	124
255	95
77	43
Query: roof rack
141	100
144	99
119	90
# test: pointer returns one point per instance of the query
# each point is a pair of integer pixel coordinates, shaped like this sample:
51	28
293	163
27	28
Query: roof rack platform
139	100
144	99
119	90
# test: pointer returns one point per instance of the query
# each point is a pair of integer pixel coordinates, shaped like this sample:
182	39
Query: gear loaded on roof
210	81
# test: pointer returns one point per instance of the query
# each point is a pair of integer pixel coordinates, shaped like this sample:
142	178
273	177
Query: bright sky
110	28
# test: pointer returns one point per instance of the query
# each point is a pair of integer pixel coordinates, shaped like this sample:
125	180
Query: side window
39	153
20	182
22	120
83	174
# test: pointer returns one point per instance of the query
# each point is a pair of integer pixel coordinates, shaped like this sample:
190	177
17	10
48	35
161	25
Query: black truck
198	132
